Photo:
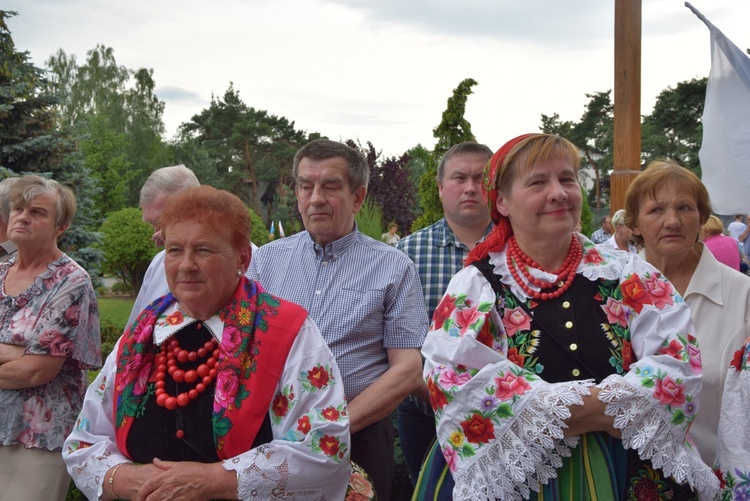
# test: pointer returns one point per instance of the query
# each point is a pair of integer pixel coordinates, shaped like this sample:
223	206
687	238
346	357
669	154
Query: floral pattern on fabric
360	486
732	457
487	387
244	318
287	467
57	315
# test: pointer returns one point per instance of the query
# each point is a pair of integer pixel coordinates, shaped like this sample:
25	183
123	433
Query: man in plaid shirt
438	252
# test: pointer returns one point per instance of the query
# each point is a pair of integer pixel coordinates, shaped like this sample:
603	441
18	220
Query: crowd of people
522	359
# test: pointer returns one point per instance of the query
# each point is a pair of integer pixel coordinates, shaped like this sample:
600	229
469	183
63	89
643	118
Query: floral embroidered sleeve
500	425
310	424
732	458
310	449
656	400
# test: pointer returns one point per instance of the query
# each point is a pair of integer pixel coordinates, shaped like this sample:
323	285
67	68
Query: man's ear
359	198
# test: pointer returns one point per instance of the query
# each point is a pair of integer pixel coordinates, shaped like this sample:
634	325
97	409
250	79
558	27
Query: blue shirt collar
335	248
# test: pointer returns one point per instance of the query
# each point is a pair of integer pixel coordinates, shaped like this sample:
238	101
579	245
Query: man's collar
449	237
337	246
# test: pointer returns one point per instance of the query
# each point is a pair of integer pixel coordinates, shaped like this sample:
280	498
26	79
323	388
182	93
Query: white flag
281	230
725	151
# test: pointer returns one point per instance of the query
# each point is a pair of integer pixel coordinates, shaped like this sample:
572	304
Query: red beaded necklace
204	374
565	274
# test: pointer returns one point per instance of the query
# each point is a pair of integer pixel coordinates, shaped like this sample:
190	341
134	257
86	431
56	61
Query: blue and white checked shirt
364	295
438	255
600	236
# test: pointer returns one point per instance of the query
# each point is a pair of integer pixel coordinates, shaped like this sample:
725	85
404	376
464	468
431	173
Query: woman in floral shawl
218	390
558	369
49	336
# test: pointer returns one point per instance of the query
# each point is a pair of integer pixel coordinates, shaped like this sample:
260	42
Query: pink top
724	249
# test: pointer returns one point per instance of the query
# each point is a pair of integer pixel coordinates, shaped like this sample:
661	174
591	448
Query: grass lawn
116	310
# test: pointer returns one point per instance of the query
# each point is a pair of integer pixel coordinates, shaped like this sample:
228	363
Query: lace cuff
528	453
645	430
262	474
90	475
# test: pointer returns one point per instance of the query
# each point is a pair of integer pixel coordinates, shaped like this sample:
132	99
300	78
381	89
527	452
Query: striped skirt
599	469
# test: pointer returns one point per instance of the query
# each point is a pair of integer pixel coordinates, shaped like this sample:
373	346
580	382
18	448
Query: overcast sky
382	71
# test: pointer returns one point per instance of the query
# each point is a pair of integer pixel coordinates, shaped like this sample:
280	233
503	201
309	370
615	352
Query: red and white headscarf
496	240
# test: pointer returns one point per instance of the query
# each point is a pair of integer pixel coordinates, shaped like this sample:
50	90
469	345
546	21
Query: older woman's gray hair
27	187
5	186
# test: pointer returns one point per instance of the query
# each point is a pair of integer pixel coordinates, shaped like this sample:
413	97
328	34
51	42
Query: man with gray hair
363	294
622	236
160	185
7	248
438	252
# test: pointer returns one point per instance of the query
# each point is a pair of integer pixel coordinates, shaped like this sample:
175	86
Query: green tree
593	134
674	129
104	155
190	152
389	186
249	146
452	129
30	140
587	222
259	232
114	111
420	158
127	245
80	241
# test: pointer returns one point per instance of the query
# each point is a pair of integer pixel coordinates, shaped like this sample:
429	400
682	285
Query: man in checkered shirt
438	251
363	294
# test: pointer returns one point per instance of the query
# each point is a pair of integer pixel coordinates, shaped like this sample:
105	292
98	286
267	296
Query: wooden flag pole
627	105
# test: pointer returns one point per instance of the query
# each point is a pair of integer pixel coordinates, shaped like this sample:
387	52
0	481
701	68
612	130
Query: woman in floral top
558	369
49	336
218	389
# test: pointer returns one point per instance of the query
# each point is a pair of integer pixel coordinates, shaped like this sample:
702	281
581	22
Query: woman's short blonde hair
713	226
658	174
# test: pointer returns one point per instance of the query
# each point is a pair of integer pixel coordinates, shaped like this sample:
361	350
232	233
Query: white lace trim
734	436
265	476
529	452
609	269
89	477
645	430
